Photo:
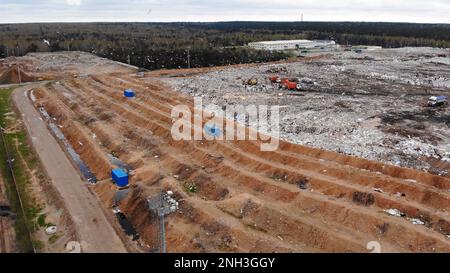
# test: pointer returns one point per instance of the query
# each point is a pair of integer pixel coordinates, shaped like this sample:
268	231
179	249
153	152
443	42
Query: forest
166	45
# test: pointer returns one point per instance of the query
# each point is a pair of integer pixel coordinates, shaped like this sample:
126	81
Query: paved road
94	231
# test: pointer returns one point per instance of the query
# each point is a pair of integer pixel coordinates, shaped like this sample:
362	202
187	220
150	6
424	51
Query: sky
417	11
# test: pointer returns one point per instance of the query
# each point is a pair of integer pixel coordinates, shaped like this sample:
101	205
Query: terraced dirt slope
233	197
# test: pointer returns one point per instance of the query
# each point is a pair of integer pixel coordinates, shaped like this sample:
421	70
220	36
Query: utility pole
129	59
188	57
162	205
163	228
18	73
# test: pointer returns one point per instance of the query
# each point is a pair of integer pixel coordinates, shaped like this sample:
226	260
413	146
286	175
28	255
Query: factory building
293	44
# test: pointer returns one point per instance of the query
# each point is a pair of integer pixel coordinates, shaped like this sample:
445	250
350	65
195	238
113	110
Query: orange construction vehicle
274	79
284	82
292	86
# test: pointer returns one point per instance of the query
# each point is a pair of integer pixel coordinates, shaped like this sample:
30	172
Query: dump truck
436	101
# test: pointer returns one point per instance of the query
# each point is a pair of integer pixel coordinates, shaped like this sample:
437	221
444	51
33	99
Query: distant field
165	45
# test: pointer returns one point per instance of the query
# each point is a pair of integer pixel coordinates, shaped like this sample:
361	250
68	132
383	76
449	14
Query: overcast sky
421	11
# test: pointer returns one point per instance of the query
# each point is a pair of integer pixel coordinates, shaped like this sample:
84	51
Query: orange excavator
286	83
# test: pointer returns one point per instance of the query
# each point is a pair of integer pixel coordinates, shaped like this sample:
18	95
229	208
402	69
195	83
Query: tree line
166	45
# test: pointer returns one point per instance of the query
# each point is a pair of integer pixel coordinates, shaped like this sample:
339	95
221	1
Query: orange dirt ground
295	199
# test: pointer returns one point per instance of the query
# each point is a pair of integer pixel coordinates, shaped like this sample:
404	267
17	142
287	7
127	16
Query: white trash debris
399	194
417	221
395	212
51	230
116	210
378	190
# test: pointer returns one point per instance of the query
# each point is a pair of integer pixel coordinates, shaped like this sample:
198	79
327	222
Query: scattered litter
399	194
51	230
395	212
411	180
79	142
378	190
116	210
416	221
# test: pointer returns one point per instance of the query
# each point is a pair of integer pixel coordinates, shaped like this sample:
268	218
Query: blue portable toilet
128	93
119	177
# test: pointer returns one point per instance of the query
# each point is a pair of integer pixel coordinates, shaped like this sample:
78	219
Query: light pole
188	57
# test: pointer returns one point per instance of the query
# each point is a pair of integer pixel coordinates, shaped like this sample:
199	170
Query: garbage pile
343	102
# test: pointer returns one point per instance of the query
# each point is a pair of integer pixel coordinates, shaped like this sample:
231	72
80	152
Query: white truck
436	101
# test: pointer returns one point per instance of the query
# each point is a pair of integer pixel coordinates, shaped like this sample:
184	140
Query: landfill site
364	152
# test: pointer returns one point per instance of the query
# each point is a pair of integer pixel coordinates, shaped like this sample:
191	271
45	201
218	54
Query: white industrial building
292	44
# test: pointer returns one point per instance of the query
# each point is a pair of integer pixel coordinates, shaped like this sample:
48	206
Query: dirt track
93	229
296	199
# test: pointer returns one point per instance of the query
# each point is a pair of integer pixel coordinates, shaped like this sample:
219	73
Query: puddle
122	165
120	195
127	226
84	169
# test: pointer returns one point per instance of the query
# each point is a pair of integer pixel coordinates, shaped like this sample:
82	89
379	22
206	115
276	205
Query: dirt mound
14	75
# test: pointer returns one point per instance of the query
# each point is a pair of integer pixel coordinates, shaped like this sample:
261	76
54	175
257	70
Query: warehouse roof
283	42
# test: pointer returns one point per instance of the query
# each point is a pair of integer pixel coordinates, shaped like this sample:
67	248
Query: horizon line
211	22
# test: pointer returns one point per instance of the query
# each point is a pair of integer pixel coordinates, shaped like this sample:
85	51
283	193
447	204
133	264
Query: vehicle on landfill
274	79
436	101
252	81
283	83
293	86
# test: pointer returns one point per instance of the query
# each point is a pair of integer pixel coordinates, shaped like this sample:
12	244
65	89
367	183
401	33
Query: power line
11	171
